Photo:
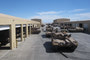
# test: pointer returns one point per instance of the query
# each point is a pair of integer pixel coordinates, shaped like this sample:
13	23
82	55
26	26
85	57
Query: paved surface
38	47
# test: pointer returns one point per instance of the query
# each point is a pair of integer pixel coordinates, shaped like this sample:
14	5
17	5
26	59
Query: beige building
57	21
11	21
38	20
83	24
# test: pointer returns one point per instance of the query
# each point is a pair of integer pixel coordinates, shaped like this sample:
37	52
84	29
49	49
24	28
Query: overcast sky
47	10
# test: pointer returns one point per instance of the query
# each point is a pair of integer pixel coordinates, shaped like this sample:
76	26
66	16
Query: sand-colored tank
35	30
77	29
48	34
63	40
49	31
48	28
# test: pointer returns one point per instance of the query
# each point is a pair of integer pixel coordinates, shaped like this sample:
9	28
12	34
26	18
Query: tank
77	29
48	34
49	28
35	31
48	31
63	40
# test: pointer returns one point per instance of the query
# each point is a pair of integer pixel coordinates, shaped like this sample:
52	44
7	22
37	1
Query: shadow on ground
4	48
44	36
49	49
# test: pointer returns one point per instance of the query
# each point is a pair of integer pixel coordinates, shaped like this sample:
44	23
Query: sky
47	10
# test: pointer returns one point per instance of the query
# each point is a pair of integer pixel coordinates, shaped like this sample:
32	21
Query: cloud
84	14
47	18
77	10
49	12
80	16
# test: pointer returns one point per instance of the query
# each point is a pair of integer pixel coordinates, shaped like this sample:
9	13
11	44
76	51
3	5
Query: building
83	24
38	20
11	27
58	21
